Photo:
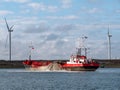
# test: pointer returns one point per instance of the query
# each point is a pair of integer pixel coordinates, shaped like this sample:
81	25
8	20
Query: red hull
80	65
54	65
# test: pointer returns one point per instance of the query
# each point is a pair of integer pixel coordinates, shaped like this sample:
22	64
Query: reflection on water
21	79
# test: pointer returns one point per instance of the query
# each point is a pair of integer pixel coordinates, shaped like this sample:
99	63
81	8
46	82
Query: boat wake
36	71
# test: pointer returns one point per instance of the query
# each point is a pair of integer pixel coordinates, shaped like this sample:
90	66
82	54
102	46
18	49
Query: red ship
77	62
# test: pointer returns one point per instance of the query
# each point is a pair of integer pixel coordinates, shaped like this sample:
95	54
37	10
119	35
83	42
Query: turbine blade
7	24
6	41
108	31
11	27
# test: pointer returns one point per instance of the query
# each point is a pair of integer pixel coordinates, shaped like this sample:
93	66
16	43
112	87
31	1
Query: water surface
21	79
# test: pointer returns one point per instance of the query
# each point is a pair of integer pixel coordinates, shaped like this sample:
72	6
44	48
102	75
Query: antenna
109	45
9	30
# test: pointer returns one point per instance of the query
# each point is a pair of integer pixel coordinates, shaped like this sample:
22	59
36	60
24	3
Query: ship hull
44	68
54	66
83	68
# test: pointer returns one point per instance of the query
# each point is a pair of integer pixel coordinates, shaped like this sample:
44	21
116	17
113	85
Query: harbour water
21	79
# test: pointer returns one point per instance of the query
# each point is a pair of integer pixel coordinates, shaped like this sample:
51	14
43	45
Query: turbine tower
9	30
109	45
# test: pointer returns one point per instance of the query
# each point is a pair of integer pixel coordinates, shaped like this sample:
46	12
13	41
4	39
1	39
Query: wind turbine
9	30
109	45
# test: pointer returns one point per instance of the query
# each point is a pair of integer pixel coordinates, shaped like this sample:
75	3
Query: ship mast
30	53
82	46
85	48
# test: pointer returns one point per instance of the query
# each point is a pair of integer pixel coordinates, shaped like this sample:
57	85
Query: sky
54	28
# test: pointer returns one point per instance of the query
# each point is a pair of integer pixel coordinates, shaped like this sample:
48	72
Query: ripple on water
20	79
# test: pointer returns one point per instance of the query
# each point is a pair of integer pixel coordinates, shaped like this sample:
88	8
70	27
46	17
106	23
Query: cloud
91	10
5	12
118	10
93	1
42	7
64	28
18	1
36	28
66	3
37	6
52	8
67	17
53	48
51	37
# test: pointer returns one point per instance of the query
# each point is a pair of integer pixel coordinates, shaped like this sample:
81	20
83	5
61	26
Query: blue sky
54	27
